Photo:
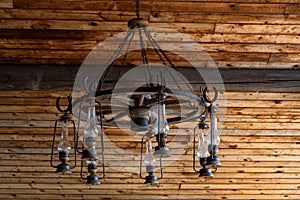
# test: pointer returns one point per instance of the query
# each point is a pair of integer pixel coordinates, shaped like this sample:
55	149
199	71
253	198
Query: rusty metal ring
69	107
207	99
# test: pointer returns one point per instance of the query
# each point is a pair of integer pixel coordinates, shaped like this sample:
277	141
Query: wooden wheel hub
137	23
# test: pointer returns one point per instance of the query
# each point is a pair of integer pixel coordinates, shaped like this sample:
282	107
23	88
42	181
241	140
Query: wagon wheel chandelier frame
139	114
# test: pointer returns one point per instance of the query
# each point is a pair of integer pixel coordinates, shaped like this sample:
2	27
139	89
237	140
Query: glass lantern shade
149	159
64	144
202	151
90	134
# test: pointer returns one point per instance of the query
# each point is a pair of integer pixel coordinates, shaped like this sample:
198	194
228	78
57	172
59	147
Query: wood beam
39	77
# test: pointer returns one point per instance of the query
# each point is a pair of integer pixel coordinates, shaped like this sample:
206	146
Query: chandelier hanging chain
128	47
137	8
145	58
110	63
162	55
158	49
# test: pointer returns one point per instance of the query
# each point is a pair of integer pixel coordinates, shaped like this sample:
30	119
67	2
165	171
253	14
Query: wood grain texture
254	43
259	151
252	34
6	4
44	77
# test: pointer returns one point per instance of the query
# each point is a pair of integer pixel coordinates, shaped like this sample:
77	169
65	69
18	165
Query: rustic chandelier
163	98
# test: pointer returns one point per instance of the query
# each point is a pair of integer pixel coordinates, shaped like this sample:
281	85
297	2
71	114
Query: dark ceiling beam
41	77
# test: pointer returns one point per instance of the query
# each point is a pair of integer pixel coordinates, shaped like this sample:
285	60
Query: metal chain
145	58
111	62
161	54
137	8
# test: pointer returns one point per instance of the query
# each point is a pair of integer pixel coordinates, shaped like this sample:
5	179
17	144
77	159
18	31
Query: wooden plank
180	163
148	191
257	65
53	94
220	64
218	7
42	61
261	96
30	116
185	176
89	45
46	131
98	25
220	103
241	18
133	159
35	93
48	54
227	56
44	34
293	8
222	37
74	179
48	77
262	48
287	57
201	38
227	125
260	111
66	25
134	188
270	126
134	138
153	16
261	103
6	4
167	170
174	144
56	14
42	44
70	5
158	5
80	55
258	29
125	195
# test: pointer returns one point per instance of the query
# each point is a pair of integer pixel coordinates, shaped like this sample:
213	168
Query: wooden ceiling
255	34
256	46
259	151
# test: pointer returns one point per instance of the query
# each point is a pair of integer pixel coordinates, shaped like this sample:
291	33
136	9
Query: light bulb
90	132
64	144
202	151
149	160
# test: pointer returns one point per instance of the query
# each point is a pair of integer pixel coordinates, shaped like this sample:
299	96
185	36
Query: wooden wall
259	152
